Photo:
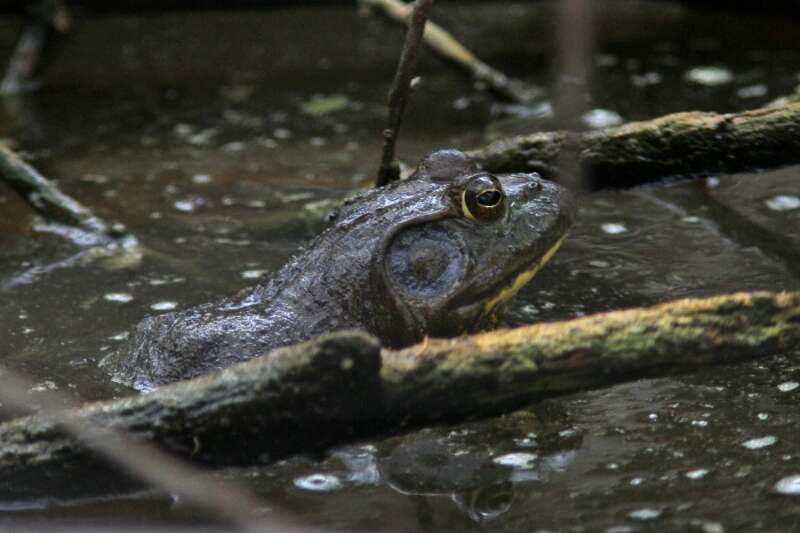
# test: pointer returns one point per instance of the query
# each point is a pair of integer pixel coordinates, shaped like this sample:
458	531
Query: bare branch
447	46
401	89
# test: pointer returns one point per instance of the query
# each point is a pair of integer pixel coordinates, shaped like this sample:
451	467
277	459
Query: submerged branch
681	144
343	386
44	196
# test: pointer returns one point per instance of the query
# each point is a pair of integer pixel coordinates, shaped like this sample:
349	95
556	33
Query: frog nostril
533	187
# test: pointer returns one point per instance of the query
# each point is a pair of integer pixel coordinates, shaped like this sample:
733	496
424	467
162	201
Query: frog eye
483	199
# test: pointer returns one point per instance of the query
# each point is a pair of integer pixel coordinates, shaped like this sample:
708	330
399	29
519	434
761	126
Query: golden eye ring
483	199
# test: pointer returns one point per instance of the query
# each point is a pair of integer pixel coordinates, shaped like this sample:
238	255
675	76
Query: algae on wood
689	143
342	386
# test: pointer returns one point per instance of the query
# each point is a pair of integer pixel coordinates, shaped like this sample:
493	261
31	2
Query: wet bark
682	144
341	387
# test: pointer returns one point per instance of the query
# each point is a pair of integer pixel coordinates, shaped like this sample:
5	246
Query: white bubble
752	91
757	444
614	228
601	118
709	76
164	306
517	460
118	297
253	274
783	203
789	485
318	482
186	206
645	514
696	474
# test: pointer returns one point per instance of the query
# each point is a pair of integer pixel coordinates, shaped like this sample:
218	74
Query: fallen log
681	144
343	386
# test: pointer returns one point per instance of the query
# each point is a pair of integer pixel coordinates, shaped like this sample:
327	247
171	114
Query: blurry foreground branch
343	386
681	144
444	44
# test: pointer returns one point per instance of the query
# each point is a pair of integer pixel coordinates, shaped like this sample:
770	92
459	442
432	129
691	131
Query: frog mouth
482	307
520	280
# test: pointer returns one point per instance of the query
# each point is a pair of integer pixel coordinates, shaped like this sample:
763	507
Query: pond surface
219	138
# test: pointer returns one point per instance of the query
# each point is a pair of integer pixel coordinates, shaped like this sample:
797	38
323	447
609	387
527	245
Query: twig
447	46
401	88
44	196
682	144
343	386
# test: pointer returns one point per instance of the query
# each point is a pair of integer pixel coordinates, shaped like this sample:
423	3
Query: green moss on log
684	144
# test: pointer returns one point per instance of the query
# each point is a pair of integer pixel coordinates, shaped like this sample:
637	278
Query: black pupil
489	198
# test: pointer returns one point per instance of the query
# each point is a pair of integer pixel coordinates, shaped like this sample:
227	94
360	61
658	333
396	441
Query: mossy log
343	386
682	144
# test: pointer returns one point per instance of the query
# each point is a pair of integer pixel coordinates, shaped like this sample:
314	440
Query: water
207	149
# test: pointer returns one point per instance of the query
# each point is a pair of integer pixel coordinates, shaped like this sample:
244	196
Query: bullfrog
433	255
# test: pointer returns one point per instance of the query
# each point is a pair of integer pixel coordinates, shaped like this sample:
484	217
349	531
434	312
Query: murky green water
191	130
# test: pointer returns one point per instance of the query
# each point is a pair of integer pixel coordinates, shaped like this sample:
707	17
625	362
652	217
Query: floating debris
118	297
201	179
119	336
788	386
318	482
757	444
320	105
44	386
613	228
520	460
601	118
783	203
709	76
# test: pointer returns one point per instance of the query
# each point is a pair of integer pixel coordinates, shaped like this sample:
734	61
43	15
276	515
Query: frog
434	255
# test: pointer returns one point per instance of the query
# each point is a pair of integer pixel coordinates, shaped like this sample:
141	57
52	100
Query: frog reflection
433	255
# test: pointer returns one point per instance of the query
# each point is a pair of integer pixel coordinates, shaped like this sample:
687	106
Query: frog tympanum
432	255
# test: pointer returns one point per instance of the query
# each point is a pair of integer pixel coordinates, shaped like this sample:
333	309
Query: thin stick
443	43
44	196
401	88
